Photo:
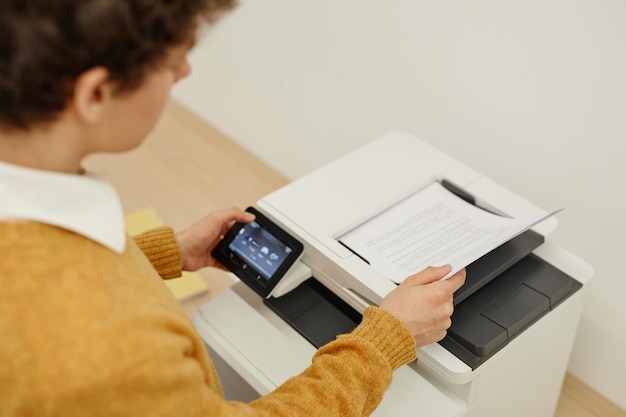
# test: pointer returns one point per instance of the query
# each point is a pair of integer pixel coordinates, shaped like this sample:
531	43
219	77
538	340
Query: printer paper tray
484	270
486	321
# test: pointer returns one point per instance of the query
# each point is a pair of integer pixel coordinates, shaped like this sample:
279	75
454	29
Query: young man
87	327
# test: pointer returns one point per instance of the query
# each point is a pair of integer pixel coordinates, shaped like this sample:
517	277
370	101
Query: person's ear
92	92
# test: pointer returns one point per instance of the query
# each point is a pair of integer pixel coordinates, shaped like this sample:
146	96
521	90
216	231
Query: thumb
428	275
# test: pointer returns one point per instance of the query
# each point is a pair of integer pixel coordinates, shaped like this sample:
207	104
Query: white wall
532	93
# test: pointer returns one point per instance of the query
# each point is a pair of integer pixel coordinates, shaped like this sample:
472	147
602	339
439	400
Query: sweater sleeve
161	248
348	376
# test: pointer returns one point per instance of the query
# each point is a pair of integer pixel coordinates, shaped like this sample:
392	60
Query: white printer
514	322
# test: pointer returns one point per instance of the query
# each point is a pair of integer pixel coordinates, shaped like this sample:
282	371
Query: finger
428	275
225	218
234	214
245	217
225	228
227	215
456	281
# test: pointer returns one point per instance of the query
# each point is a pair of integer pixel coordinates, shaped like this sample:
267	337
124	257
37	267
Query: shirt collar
84	204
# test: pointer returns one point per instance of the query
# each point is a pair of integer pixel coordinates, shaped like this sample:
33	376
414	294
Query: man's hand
198	241
423	302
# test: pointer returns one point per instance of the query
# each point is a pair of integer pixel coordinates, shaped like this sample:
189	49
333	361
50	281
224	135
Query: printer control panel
260	252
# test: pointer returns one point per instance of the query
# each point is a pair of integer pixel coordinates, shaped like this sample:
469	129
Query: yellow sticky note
191	283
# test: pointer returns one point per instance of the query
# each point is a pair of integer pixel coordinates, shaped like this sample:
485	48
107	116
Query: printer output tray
486	321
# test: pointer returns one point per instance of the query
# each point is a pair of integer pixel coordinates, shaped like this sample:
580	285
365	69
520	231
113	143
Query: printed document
431	227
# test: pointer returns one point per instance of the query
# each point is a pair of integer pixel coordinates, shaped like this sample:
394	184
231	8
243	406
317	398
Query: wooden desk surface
186	168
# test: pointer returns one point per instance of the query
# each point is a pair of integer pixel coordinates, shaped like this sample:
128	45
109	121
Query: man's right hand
423	302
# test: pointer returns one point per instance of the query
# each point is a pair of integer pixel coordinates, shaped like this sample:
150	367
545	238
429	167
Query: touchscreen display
260	249
260	253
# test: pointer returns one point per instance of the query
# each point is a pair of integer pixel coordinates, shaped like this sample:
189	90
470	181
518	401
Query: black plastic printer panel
488	267
502	309
315	312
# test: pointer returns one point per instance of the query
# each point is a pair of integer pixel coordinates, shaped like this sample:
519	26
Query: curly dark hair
46	44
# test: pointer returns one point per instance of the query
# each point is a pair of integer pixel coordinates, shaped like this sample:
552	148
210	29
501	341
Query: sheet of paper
432	227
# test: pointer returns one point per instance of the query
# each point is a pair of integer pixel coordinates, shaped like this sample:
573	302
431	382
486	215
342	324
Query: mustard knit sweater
88	332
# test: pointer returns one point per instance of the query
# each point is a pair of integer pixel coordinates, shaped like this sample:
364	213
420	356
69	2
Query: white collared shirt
84	204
